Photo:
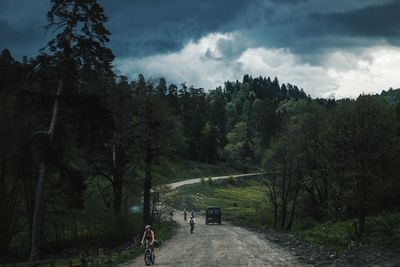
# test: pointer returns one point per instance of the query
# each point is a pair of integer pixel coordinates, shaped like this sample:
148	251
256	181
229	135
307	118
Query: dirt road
198	180
218	245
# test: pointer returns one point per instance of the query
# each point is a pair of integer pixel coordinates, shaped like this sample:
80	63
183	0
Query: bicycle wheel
147	259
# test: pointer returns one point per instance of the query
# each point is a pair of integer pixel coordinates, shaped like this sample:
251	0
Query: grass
164	231
241	201
381	230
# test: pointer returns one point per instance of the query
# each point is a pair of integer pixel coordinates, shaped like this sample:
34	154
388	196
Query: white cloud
371	71
218	57
198	63
288	68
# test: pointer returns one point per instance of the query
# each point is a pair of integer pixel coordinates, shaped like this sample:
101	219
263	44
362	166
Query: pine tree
79	42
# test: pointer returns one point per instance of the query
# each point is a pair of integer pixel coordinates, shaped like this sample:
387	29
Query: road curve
198	180
218	245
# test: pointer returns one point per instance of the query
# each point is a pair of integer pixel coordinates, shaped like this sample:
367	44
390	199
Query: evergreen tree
79	42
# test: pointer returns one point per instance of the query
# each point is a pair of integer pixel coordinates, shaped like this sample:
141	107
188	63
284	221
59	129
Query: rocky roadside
318	255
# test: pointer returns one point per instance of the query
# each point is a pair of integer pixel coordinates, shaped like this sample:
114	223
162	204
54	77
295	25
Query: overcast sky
335	48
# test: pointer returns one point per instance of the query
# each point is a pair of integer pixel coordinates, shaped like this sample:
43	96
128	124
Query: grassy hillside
241	201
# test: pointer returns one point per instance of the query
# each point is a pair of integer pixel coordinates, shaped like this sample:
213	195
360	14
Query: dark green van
213	215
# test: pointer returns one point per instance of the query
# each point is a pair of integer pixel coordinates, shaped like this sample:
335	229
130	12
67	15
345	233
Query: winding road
198	180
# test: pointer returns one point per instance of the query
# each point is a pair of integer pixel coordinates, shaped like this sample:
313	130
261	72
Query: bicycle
191	224
149	257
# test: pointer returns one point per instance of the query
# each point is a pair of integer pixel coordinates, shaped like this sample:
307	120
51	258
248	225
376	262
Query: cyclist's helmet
147	227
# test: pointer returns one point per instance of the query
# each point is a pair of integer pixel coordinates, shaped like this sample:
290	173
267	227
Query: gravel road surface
218	245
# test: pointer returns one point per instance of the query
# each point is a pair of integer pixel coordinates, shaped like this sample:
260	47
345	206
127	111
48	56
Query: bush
202	181
119	230
210	181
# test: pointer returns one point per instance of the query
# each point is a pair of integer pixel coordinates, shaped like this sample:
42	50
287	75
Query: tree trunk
290	224
39	199
284	189
147	186
117	178
4	224
38	213
362	209
361	224
314	202
275	215
272	197
118	190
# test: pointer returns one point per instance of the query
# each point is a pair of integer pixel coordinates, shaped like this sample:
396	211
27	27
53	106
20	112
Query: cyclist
148	237
184	214
191	223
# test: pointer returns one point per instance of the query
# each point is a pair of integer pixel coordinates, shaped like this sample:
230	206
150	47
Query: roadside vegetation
114	255
241	201
245	202
383	231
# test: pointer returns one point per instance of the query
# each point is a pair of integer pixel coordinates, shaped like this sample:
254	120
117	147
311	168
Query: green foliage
243	203
164	231
391	96
382	230
210	181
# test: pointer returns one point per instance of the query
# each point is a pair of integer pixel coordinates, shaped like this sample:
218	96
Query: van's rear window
213	211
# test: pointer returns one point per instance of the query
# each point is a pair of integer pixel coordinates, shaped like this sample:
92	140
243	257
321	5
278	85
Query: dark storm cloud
286	2
381	21
310	27
141	28
22	26
146	27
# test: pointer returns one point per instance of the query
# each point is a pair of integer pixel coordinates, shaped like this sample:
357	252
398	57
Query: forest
79	144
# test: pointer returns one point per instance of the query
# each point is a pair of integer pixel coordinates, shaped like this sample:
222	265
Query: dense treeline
78	144
335	161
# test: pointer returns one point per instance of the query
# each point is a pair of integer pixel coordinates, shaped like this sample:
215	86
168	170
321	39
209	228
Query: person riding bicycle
148	237
184	214
191	222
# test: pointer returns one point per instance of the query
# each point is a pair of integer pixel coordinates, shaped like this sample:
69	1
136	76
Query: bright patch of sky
338	72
